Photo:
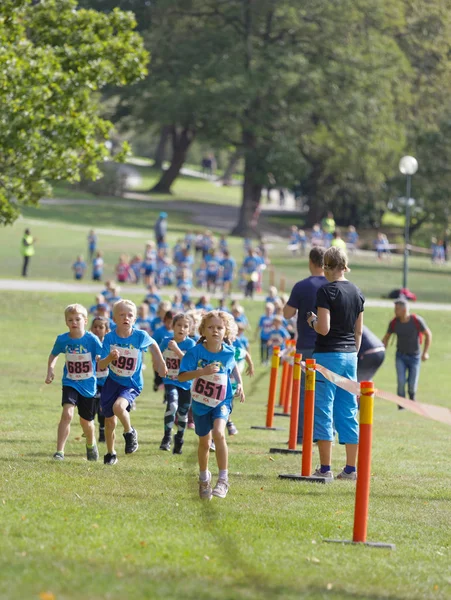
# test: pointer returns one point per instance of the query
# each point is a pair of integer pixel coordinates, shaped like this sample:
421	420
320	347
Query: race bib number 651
210	389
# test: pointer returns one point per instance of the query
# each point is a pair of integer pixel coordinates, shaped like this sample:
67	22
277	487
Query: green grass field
138	530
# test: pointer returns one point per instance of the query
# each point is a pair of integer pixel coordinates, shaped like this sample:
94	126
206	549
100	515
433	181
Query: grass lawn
138	530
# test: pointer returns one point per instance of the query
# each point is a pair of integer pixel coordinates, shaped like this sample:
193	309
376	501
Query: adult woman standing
339	327
27	249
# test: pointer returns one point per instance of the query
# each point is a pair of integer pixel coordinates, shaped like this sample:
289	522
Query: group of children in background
215	269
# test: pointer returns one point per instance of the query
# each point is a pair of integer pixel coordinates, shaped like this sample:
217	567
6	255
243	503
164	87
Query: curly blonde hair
231	328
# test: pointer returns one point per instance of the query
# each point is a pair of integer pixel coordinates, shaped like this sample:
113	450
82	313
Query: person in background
370	356
302	300
339	327
92	243
409	330
97	267
79	267
161	228
27	247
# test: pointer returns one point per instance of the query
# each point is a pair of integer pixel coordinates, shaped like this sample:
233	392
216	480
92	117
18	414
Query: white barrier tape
430	411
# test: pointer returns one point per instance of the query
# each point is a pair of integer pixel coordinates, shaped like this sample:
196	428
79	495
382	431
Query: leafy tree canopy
53	61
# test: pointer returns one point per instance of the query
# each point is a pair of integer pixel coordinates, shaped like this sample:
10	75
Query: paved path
37	285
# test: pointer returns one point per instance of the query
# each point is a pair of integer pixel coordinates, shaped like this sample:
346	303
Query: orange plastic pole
283	382
362	494
309	411
272	386
289	382
295	402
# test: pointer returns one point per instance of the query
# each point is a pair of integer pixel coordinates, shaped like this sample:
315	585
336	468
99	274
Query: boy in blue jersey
79	268
166	330
265	325
79	378
210	364
123	352
228	266
143	321
278	334
213	264
177	395
97	267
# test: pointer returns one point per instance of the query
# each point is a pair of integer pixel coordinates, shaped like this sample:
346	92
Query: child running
123	351
79	378
100	326
177	395
211	364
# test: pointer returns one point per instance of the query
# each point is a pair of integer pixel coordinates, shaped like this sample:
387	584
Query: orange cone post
272	391
295	402
289	386
283	382
362	492
309	411
295	399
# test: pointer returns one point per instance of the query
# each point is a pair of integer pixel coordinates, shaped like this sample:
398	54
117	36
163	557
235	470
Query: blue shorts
111	391
203	424
226	278
148	270
333	405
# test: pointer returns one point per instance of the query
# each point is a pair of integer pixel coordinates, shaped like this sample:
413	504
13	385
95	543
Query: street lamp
408	165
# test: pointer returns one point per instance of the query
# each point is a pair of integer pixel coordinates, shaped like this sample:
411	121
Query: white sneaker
349	476
205	490
221	488
328	475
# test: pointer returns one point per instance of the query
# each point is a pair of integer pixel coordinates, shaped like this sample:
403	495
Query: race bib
172	361
102	374
125	365
210	389
277	340
79	366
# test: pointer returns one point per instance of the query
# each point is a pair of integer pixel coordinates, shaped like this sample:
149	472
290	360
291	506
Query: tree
53	61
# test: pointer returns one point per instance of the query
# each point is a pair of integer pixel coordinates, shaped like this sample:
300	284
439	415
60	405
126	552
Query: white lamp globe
408	165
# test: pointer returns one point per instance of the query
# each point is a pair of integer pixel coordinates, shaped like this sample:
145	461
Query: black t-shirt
345	302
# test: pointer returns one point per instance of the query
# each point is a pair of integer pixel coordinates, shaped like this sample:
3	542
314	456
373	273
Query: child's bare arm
250	365
207	370
172	345
104	362
158	360
51	368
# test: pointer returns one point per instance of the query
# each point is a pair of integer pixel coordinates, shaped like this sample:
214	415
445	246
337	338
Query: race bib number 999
210	389
79	366
125	365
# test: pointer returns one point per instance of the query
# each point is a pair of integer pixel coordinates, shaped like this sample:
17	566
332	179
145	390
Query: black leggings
178	402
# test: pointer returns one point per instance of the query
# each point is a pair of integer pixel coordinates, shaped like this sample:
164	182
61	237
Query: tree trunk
316	206
160	152
230	170
181	141
252	190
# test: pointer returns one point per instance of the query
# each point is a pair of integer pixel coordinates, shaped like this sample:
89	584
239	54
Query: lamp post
408	165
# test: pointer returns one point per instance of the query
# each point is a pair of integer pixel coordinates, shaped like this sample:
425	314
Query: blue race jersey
173	361
265	326
127	369
199	357
278	337
144	324
161	333
80	368
228	265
